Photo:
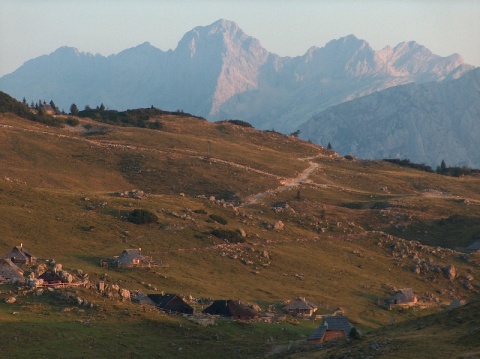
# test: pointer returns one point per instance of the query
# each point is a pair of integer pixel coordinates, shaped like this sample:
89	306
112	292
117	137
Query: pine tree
443	167
74	110
53	106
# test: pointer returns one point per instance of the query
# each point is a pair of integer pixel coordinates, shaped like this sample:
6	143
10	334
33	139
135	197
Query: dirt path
286	184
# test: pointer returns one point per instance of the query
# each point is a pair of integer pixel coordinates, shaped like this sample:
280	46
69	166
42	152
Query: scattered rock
278	226
242	232
10	300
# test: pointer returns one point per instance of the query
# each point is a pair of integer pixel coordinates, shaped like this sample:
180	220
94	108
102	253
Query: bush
72	121
240	123
230	236
407	163
218	219
142	216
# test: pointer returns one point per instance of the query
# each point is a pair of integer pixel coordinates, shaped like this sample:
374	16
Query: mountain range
425	123
219	72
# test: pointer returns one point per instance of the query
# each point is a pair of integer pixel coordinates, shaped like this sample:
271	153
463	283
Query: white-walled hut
130	258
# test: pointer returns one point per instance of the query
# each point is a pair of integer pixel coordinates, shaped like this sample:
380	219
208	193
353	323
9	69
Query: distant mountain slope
219	72
422	122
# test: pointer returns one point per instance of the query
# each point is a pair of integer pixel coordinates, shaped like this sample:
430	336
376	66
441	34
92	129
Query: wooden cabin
332	328
301	307
233	309
19	255
10	272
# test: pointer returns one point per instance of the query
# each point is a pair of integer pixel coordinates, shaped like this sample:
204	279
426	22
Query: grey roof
406	295
9	270
19	252
301	304
128	255
337	322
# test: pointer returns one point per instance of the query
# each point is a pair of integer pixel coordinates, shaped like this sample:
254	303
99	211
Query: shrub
218	219
72	121
230	236
408	163
142	216
240	123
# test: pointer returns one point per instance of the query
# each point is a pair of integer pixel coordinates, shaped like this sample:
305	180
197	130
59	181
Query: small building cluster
331	327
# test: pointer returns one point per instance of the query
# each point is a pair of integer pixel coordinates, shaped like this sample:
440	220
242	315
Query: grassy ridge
56	197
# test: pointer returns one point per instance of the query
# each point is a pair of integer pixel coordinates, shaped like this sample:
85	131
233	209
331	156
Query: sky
31	28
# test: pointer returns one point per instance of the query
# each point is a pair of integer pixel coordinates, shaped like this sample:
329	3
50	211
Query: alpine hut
332	328
131	258
171	303
9	272
19	255
232	309
404	297
301	307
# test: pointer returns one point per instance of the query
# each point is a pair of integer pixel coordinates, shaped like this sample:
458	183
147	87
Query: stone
101	286
450	272
10	300
278	226
125	294
242	232
467	285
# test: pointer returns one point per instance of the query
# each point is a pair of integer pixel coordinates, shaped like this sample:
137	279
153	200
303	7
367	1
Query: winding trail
286	183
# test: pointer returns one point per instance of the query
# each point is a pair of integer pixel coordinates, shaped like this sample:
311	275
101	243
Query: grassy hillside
353	232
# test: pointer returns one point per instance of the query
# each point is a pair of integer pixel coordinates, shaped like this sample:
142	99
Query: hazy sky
30	28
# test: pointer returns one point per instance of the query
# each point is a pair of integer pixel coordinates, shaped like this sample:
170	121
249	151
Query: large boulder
450	272
125	294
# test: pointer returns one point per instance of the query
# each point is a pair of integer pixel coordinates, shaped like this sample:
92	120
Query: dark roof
337	322
171	302
230	308
50	276
9	270
301	304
